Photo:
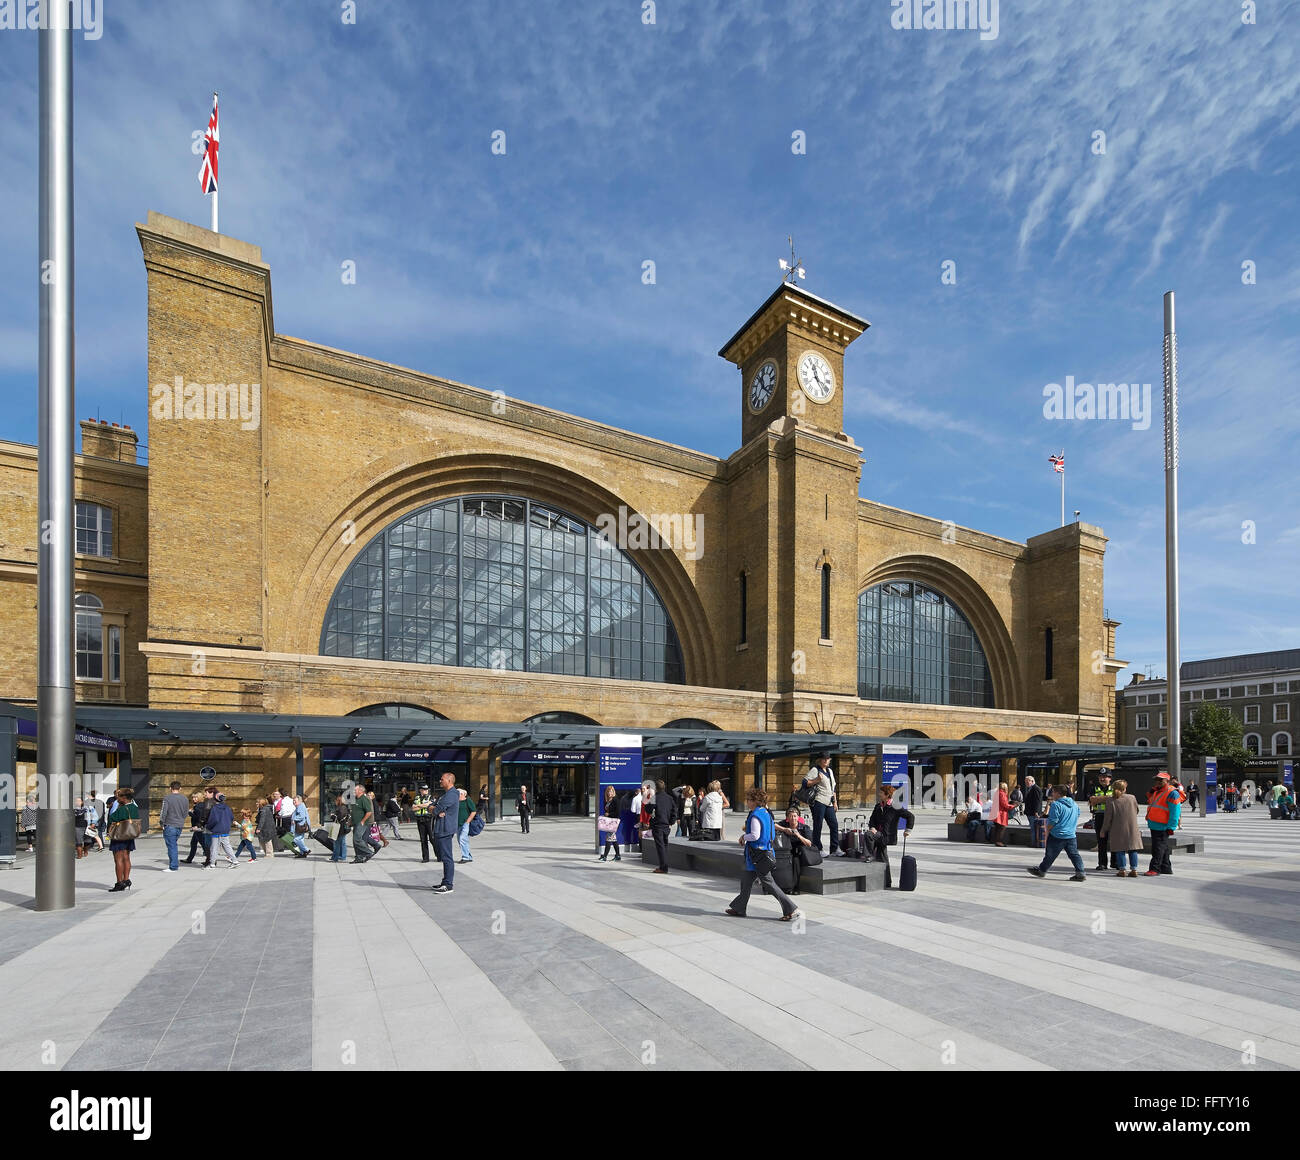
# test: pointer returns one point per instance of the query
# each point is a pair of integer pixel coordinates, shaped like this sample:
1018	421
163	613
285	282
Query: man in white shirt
822	781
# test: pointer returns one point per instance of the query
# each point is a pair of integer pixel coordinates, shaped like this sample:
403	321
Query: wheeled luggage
286	840
322	836
907	871
783	872
1038	832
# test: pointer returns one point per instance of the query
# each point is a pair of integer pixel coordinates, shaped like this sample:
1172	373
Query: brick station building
440	553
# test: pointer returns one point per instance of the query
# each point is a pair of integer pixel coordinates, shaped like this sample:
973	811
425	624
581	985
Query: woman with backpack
760	828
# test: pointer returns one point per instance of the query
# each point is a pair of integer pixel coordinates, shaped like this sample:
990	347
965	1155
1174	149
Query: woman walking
29	821
79	823
685	810
999	807
265	826
342	817
524	808
759	859
715	801
611	836
123	826
1120	829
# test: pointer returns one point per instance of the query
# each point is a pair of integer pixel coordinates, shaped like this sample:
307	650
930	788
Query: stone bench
1086	839
727	860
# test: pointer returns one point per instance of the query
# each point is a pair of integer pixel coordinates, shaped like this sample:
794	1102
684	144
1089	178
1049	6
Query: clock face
816	377
762	386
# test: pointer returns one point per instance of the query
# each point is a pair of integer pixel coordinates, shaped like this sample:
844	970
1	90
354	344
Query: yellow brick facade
251	525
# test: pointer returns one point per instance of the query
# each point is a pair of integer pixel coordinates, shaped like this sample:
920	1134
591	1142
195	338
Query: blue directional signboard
618	763
893	771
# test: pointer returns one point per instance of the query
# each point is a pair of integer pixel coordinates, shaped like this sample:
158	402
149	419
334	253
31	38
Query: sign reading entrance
618	763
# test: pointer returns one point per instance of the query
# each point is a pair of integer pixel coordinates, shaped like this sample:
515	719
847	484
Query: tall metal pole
55	690
1175	744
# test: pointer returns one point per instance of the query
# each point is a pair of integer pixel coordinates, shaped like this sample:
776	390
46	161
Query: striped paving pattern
544	959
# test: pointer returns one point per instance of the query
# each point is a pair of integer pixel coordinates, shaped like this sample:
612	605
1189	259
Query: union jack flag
1057	461
211	142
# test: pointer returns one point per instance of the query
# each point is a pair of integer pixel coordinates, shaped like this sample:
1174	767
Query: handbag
124	830
607	825
333	829
962	816
810	855
764	860
302	828
476	826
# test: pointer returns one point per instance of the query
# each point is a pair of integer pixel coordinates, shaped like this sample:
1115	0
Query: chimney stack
104	441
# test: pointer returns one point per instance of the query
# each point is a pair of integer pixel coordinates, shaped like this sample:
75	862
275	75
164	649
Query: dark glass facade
915	645
502	583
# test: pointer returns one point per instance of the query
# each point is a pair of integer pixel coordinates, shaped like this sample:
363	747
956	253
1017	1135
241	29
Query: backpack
476	826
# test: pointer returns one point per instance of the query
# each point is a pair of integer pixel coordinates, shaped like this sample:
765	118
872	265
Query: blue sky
672	142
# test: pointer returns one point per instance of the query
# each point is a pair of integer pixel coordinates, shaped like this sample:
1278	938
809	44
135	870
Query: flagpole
1062	487
1174	679
216	192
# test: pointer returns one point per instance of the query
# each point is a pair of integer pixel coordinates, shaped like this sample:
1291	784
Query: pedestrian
688	811
363	814
1164	812
79	826
101	816
124	825
466	811
1062	823
1120	828
266	826
392	815
301	821
219	822
171	816
247	832
822	782
1193	796
999	808
715	801
94	819
202	805
420	808
483	801
1017	799
800	835
1099	801
1033	798
611	836
974	815
663	812
885	817
343	823
524	808
29	821
283	814
760	827
445	817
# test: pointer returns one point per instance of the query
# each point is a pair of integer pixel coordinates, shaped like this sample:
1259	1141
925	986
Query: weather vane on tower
793	268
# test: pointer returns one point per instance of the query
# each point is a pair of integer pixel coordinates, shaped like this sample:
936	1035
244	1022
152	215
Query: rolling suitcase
1038	832
322	836
286	840
907	870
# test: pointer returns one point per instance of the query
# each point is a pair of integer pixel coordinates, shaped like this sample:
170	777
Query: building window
1162	742
1047	654
1282	711
1252	690
1143	742
94	530
1266	690
1251	742
1223	694
915	645
1142	700
90	637
114	653
1252	714
504	583
826	602
1143	721
1281	744
1195	695
1163	722
744	608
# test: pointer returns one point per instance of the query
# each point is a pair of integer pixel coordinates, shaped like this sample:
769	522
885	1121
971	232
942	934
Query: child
246	836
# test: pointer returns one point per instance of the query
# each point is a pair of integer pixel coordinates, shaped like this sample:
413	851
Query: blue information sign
1288	773
893	771
1210	767
618	763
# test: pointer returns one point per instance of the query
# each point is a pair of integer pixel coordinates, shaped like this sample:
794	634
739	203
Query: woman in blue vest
759	859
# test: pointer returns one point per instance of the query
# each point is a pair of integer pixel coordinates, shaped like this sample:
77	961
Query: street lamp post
1175	747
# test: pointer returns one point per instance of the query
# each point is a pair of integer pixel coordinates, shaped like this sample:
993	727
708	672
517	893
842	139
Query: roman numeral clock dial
816	377
762	386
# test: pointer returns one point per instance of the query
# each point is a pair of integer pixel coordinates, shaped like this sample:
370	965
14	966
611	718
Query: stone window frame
1246	715
104	687
1143	721
1283	708
113	531
1279	752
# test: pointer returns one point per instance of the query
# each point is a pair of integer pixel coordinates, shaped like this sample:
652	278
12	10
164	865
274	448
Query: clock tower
791	359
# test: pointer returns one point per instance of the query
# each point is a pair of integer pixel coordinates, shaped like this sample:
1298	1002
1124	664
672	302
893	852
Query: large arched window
1281	744
398	711
502	583
1251	742
914	644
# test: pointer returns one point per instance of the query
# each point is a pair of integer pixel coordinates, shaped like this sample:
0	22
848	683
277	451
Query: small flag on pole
208	170
1057	461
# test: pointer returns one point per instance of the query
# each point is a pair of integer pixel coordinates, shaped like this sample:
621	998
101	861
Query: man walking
1164	810
300	819
219	820
363	813
822	781
200	831
1062	820
171	816
663	812
1100	797
392	815
465	813
423	817
445	816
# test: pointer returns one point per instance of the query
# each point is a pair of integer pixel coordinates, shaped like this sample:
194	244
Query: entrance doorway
559	788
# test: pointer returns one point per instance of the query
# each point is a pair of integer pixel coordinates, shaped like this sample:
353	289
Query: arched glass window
1142	742
914	644
689	723
559	718
398	711
502	583
90	637
1251	742
826	602
1281	744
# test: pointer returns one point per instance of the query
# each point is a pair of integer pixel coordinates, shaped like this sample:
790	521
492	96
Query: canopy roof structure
204	727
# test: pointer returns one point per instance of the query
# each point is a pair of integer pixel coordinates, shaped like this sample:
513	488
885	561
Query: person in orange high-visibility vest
1164	809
